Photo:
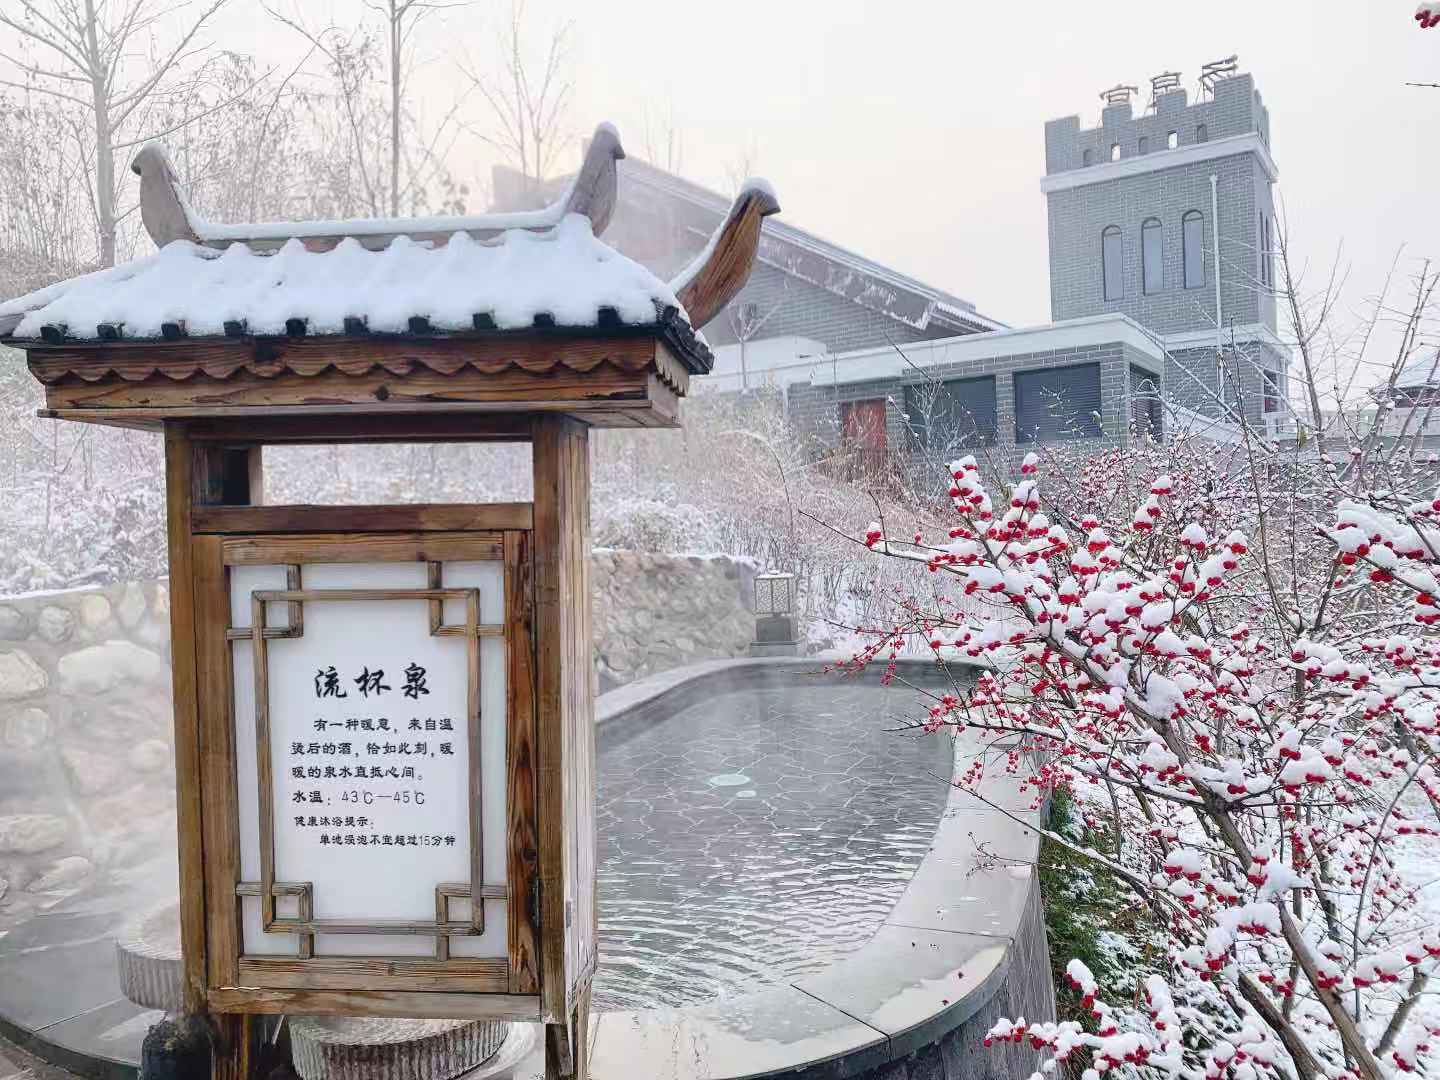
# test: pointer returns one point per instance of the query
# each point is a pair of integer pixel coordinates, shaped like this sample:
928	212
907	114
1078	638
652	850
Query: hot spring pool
758	836
745	842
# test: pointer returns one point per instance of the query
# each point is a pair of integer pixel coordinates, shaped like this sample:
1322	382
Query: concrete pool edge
964	945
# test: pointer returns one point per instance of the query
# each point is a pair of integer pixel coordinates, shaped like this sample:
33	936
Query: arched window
1267	245
1144	145
1172	140
1088	157
1152	255
1202	134
1192	243
1112	263
1115	151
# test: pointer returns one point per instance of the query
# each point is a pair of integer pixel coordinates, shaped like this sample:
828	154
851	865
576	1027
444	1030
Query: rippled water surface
757	836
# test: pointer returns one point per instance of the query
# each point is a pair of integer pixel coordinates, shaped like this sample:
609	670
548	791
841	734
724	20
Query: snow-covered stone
26	729
14	626
30	834
103	667
92	773
151	755
55	624
94	611
64	873
20	676
131	607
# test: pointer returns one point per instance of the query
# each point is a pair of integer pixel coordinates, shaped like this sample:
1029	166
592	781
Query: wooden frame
244	982
305	925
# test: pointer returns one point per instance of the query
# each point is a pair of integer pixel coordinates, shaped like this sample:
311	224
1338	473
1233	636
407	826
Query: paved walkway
59	981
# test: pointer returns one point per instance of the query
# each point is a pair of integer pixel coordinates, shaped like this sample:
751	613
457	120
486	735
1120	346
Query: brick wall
1077	217
1194	378
814	410
1236	109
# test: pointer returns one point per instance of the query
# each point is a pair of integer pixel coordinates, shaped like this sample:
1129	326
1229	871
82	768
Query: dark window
1192	243
1088	157
946	418
1057	404
1172	140
1152	255
1202	134
1146	415
1272	393
1144	145
1267	240
1112	263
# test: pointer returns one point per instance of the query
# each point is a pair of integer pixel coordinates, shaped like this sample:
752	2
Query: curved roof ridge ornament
168	215
721	269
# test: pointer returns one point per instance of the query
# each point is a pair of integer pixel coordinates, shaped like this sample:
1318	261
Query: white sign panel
370	754
369	748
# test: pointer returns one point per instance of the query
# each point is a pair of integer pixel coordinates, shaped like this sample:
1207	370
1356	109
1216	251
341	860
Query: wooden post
197	475
180	486
566	725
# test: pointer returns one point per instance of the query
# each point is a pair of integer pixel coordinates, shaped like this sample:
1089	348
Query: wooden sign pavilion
383	714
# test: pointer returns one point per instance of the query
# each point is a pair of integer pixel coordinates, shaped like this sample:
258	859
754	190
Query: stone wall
85	739
657	612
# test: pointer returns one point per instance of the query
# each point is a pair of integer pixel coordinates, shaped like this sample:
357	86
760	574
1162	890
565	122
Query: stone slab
112	1031
914	985
49	983
773	1031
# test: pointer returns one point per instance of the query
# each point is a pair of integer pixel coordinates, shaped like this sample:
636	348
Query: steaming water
756	837
744	842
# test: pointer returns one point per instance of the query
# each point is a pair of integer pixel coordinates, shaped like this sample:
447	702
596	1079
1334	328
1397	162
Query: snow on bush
1238	659
643	523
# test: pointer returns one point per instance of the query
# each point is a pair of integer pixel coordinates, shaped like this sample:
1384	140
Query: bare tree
401	17
742	164
662	138
376	126
43	234
82	53
529	92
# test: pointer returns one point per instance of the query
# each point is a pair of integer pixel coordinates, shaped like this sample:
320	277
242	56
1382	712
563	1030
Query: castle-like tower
1137	209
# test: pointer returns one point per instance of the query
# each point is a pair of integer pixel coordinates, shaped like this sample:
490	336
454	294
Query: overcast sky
912	131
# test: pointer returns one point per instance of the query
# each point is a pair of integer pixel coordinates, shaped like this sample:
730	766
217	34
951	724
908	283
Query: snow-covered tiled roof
1424	372
562	275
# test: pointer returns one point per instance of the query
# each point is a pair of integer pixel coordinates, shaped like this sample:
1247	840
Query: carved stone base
148	954
349	1048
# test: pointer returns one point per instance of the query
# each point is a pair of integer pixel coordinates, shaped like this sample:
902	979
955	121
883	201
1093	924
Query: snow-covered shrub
644	523
1238	665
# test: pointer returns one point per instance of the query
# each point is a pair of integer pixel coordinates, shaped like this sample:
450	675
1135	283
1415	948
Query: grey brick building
1161	227
1144	213
1161	231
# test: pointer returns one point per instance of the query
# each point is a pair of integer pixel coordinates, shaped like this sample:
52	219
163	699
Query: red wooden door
862	431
